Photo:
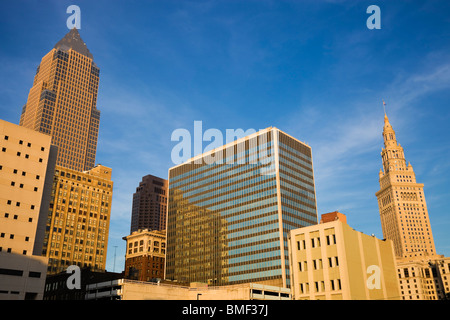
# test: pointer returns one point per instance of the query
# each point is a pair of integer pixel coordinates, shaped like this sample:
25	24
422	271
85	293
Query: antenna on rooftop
114	266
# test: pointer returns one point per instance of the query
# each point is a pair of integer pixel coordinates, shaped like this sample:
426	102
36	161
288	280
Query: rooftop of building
72	40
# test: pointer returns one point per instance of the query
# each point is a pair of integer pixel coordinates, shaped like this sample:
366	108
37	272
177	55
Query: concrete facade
123	289
26	164
331	261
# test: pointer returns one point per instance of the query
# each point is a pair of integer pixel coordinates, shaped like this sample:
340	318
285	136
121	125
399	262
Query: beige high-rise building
78	219
62	102
27	162
332	261
401	200
422	273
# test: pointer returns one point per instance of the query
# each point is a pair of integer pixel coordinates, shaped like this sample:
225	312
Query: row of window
9	202
9	250
317	264
21	143
27	156
15	171
315	242
319	286
15	217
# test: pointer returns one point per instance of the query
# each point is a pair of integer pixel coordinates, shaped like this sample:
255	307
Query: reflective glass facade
228	219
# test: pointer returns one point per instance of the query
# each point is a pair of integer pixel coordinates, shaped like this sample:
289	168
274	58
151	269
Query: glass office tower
230	210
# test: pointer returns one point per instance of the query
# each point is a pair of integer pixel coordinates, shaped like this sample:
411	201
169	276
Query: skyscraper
150	204
62	102
401	200
231	209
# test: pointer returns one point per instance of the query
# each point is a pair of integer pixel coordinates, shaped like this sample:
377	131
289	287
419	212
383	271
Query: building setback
231	209
27	163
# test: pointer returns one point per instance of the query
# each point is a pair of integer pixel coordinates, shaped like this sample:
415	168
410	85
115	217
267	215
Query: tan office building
405	220
27	162
424	278
145	256
78	219
401	200
332	261
62	102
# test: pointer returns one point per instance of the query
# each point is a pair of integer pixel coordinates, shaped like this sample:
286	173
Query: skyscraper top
72	40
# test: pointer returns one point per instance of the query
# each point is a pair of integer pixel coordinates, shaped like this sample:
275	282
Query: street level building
57	288
124	289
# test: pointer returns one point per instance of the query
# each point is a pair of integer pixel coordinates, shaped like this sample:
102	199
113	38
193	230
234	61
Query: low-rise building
124	289
332	261
145	255
424	277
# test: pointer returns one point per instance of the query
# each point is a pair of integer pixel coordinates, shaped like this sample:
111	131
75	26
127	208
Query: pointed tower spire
72	40
392	153
401	200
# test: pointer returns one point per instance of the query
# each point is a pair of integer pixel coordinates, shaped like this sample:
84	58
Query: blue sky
311	68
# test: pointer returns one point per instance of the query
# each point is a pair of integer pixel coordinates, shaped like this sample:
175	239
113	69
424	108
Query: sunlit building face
62	102
228	221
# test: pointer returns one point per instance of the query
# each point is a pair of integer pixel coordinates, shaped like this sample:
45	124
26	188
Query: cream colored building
422	273
424	278
332	261
78	219
27	162
401	200
123	289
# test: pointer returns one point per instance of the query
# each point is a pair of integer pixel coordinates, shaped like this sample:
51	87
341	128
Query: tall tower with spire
401	200
62	102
